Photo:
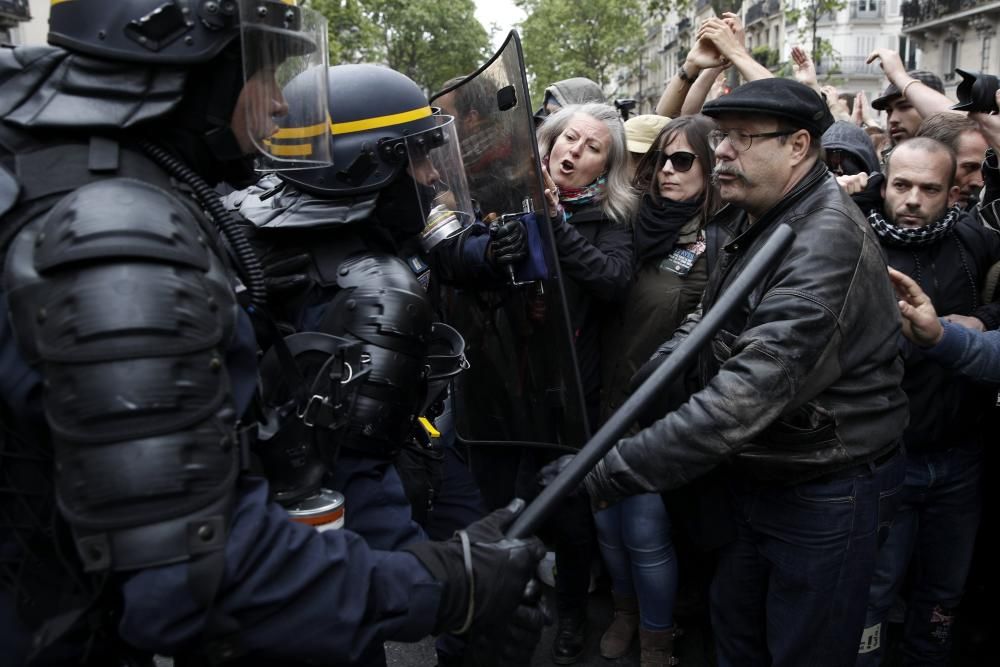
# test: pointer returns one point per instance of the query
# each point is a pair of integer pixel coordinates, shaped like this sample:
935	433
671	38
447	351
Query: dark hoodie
848	137
578	90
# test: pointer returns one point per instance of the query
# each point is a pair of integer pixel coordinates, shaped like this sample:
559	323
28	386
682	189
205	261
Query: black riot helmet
374	109
169	32
382	131
276	37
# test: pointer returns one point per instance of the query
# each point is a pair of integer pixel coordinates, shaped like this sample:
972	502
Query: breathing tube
247	263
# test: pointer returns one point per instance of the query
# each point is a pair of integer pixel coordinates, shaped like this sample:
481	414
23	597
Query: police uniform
127	525
340	246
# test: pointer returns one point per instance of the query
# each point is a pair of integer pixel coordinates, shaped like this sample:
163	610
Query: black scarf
890	234
658	224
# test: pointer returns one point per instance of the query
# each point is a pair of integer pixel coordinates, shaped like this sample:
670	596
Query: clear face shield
435	163
285	91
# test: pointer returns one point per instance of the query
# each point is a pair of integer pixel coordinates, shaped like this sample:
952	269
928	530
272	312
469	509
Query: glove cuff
442	562
470	578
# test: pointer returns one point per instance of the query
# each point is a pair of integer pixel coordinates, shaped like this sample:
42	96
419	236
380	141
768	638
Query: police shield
522	385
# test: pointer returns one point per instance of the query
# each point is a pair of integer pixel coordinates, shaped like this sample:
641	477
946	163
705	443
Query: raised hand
889	61
920	320
804	68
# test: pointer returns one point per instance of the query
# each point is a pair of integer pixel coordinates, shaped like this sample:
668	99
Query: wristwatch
682	73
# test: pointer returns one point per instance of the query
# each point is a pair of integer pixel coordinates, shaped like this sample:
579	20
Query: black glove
484	574
508	242
553	469
284	272
512	643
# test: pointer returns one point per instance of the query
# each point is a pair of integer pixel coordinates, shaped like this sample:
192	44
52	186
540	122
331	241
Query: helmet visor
435	163
285	91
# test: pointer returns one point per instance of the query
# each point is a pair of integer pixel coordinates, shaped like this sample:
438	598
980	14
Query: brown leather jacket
804	379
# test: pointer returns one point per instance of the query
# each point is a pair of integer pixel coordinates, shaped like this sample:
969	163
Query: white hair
620	200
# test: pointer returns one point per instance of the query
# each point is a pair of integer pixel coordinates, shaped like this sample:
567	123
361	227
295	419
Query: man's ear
800	141
953	195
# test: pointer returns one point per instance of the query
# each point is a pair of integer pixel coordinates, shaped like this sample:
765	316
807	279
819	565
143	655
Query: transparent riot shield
522	385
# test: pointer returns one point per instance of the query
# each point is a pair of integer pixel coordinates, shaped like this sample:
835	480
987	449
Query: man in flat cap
798	396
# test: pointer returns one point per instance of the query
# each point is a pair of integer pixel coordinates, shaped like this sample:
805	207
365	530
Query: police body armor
131	318
329	240
125	360
349	286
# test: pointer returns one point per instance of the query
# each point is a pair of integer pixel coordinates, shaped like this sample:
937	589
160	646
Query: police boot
656	647
617	639
570	635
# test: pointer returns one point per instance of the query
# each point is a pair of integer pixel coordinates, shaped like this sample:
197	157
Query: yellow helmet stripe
379	121
289	150
302	132
57	2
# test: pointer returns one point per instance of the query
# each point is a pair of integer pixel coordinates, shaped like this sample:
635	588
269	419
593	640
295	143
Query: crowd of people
194	387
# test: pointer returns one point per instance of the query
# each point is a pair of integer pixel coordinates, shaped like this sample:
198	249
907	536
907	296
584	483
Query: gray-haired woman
584	153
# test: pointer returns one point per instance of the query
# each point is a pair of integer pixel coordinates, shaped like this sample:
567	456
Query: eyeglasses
681	161
741	140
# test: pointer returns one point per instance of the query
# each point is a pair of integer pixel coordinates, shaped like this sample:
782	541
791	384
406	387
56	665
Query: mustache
730	171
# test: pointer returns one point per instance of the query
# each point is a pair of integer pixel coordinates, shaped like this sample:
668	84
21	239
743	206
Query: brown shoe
656	647
617	639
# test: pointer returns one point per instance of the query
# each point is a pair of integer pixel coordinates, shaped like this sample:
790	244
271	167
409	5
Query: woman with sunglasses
677	199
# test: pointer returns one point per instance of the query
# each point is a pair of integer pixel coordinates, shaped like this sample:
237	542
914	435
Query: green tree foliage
354	38
428	40
810	12
567	38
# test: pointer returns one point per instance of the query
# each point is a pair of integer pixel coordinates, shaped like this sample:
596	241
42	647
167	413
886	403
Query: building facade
954	34
32	24
13	13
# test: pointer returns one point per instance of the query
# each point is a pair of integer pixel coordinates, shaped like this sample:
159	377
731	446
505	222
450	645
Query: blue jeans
791	590
935	530
634	536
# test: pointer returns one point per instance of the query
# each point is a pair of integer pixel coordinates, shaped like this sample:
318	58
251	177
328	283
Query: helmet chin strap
201	131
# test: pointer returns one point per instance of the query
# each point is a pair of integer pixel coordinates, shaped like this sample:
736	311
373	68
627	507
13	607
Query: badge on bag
679	261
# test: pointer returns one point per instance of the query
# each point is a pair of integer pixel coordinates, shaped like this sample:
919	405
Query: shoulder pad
120	218
9	191
377	271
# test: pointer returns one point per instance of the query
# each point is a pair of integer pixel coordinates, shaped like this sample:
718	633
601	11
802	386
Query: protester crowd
181	373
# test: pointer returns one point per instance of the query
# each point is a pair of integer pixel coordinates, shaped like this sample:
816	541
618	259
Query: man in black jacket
947	252
799	394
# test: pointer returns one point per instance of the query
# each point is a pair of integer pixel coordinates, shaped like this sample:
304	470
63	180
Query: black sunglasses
681	160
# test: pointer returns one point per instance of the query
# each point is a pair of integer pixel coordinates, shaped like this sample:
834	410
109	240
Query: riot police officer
368	228
127	525
347	250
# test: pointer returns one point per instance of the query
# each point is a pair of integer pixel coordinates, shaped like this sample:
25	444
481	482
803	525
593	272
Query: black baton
762	262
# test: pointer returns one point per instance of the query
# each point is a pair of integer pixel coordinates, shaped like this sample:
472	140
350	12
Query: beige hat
640	131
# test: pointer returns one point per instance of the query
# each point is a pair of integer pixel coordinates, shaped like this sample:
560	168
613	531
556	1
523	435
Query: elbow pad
119	299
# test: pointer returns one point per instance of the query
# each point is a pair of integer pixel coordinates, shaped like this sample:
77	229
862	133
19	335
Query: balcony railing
850	65
754	13
921	11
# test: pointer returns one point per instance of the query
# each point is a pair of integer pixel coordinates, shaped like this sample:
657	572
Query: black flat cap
788	100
